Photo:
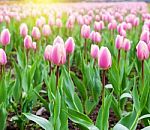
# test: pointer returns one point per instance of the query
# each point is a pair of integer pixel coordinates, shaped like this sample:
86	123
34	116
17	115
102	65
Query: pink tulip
23	30
145	36
142	50
59	23
36	33
136	22
5	37
85	31
46	30
3	57
126	44
94	51
48	53
112	25
58	54
98	26
51	21
69	45
28	42
39	23
58	40
104	58
119	42
95	37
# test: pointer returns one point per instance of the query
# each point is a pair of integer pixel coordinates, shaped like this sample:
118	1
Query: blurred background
37	1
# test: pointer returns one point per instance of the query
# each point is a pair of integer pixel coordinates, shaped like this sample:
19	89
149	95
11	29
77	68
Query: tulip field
74	66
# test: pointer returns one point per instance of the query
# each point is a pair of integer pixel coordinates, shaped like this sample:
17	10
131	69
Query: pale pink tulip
104	58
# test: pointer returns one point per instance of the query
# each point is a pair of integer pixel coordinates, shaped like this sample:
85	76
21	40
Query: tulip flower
69	46
145	36
46	30
104	58
119	44
104	62
48	52
95	37
28	42
47	55
5	37
3	57
58	57
23	30
94	52
126	46
36	33
142	54
85	33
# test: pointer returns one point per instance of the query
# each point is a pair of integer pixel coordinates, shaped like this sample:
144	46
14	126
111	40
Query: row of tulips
96	65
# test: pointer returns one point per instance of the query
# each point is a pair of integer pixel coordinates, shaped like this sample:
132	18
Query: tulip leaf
146	128
126	95
120	127
81	119
45	124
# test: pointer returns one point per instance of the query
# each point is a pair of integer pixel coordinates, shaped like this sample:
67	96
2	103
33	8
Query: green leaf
57	106
125	95
80	86
109	86
81	119
144	116
144	96
136	97
120	127
3	116
45	124
146	128
104	119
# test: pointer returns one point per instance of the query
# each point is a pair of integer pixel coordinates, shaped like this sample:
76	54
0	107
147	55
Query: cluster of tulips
72	59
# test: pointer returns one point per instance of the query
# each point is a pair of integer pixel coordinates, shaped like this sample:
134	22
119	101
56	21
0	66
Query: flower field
74	66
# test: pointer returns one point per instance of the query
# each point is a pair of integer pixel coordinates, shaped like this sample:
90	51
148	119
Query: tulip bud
46	30
145	36
23	30
69	45
59	23
94	51
36	33
48	52
142	50
5	37
104	58
58	54
95	37
119	42
58	40
28	42
126	44
85	31
3	57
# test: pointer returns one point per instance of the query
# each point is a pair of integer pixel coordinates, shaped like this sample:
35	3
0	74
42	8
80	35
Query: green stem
143	73
118	56
57	76
85	50
103	96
